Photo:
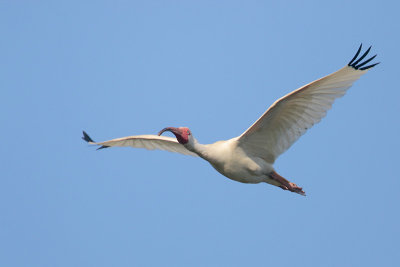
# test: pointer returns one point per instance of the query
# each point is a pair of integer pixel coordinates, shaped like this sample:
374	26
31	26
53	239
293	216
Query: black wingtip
86	137
358	63
356	55
370	66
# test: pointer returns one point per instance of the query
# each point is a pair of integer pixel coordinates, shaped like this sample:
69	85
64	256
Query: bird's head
183	134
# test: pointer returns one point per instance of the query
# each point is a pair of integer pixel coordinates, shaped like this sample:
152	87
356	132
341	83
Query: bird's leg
285	184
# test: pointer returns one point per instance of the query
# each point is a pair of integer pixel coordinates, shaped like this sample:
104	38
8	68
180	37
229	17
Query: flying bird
249	158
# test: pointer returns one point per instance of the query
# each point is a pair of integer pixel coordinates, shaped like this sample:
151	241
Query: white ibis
249	158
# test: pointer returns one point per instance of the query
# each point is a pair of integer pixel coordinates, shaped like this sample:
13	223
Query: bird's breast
231	161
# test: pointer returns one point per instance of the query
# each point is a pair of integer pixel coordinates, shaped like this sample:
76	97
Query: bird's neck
197	148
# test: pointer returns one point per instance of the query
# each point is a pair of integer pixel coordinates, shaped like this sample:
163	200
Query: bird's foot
294	188
286	185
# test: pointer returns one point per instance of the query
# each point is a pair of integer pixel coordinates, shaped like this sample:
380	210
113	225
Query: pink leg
285	184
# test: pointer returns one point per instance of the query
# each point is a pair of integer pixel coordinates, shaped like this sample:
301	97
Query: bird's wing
143	141
292	115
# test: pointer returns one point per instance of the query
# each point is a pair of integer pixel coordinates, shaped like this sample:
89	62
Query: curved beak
169	129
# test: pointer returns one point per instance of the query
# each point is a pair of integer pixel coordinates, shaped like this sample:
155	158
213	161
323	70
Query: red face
182	133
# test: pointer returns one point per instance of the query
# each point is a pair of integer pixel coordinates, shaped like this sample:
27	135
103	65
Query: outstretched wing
150	142
292	115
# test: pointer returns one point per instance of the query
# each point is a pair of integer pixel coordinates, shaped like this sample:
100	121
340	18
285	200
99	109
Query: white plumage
249	158
292	115
149	142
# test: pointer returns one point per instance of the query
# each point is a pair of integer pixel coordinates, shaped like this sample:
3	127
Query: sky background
120	68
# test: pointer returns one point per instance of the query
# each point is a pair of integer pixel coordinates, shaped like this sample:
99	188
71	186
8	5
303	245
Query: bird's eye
188	132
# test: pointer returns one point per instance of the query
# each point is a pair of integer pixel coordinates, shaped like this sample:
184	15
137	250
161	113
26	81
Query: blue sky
122	68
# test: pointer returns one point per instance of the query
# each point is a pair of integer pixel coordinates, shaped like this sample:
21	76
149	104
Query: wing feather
292	115
149	142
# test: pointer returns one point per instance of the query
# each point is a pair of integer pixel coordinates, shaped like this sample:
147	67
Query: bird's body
229	159
249	158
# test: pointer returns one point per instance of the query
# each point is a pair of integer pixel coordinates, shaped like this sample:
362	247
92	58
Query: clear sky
122	68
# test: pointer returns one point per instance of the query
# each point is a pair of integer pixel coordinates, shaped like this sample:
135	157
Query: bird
249	158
